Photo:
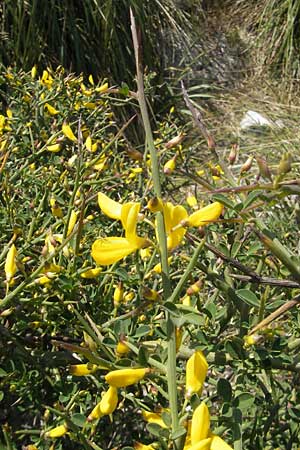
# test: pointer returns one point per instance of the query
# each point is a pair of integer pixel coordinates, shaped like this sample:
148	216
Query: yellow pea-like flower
80	370
200	423
54	148
170	166
33	72
10	266
196	370
57	432
125	377
91	273
102	88
140	446
67	131
152	417
109	401
218	443
122	348
72	222
204	216
118	293
51	110
205	444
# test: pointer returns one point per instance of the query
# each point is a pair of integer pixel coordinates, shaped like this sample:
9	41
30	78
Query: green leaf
78	419
1	396
244	401
3	373
248	297
143	330
156	430
143	356
178	433
224	200
251	197
122	274
224	389
169	306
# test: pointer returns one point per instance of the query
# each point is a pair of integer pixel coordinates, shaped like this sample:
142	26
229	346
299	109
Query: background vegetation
53	316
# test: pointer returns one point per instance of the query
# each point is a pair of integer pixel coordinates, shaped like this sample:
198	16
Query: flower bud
195	288
80	370
200	423
56	432
175	141
125	377
155	204
170	166
118	293
196	370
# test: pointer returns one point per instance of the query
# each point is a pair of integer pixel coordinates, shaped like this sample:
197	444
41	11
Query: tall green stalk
171	364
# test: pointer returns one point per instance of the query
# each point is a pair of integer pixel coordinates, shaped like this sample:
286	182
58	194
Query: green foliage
230	281
92	36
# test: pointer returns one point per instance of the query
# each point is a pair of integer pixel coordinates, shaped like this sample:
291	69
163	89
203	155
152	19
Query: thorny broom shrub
148	298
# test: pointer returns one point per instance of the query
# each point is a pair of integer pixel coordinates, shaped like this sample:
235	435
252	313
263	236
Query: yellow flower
125	377
173	216
152	417
217	443
80	370
54	148
204	216
118	293
170	166
91	273
51	110
106	406
155	204
57	432
205	444
10	266
67	131
89	145
200	423
102	88
72	222
122	348
196	370
112	249
140	446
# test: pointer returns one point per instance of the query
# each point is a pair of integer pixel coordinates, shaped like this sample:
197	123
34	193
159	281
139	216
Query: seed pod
247	165
263	167
233	154
175	141
195	288
125	377
285	164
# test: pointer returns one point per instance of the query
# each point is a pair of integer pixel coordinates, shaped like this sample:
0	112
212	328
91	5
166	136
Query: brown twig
275	314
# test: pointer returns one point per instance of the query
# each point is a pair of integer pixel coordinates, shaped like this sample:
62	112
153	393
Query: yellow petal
196	370
102	88
10	266
208	214
110	250
72	222
56	432
217	443
173	215
140	446
200	423
152	417
80	370
54	148
125	377
91	273
129	217
51	110
109	401
109	207
202	445
66	129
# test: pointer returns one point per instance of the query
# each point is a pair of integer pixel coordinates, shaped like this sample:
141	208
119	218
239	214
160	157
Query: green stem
171	364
